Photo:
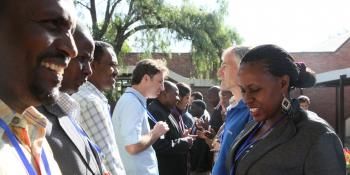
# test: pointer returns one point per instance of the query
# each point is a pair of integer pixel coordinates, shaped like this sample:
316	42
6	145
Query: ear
284	82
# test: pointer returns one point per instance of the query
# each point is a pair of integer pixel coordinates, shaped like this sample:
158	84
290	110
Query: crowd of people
55	118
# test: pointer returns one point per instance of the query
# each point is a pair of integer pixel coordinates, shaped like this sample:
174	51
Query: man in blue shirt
239	114
130	119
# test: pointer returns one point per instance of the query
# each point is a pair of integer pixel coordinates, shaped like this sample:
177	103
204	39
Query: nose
115	72
66	44
162	87
247	98
87	68
220	72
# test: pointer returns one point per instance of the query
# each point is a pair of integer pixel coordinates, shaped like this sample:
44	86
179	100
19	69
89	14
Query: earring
286	105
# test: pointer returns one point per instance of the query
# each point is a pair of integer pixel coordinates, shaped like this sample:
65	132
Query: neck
12	100
236	91
140	89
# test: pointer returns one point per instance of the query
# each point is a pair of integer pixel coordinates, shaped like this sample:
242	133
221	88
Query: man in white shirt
36	44
130	119
95	116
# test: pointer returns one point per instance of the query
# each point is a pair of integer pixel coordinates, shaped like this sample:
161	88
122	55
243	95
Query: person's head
79	68
266	75
213	95
196	95
148	76
197	108
304	102
104	67
170	95
228	70
35	47
225	97
184	94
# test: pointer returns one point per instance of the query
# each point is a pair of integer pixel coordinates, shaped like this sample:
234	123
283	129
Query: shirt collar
68	105
31	120
137	94
92	88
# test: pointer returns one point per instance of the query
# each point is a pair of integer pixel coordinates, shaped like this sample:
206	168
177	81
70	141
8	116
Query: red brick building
323	99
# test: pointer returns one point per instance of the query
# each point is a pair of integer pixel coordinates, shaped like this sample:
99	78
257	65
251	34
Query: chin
45	95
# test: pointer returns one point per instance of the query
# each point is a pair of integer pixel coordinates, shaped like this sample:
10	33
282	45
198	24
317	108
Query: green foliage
162	23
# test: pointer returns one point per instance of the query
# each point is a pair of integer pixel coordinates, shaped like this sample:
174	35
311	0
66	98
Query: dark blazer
72	152
302	145
172	152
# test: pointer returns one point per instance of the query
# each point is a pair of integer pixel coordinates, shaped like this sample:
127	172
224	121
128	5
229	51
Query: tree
203	28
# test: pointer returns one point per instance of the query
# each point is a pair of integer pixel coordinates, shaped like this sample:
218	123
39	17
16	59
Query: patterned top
29	129
95	119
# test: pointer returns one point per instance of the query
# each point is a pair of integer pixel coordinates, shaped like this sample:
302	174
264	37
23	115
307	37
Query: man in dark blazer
73	151
172	151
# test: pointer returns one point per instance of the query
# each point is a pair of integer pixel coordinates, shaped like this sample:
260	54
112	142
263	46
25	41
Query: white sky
295	25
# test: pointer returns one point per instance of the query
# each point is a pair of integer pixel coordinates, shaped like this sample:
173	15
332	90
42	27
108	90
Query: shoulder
312	126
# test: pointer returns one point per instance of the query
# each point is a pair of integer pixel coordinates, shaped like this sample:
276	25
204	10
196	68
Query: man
201	156
173	149
214	101
237	116
180	112
130	119
74	152
36	45
95	117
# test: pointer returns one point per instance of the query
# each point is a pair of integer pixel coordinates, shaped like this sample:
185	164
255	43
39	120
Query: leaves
161	24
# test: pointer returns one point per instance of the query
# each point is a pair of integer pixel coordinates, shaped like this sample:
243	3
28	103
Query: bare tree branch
84	5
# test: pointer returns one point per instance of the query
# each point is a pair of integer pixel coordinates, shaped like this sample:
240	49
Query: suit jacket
301	145
172	153
72	151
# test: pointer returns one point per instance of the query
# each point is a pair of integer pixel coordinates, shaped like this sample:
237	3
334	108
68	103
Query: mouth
57	68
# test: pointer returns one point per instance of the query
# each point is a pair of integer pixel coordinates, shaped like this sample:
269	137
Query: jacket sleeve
326	157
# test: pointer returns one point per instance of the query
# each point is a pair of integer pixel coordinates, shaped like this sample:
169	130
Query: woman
282	139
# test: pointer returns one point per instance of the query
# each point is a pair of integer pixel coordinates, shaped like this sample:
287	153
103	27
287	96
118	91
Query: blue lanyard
83	133
20	152
150	116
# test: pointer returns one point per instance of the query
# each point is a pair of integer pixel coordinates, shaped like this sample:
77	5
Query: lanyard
83	133
248	143
20	152
150	116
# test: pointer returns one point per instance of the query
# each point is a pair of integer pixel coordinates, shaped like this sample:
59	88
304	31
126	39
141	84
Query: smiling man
36	45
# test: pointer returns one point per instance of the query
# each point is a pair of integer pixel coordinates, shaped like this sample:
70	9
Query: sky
295	25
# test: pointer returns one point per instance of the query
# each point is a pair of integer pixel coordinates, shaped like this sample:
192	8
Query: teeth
253	109
57	68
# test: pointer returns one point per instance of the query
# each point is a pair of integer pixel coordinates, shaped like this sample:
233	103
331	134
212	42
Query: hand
215	146
160	128
189	139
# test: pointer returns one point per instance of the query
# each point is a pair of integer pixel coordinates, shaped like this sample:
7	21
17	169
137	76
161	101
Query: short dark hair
279	62
99	49
184	89
200	103
197	95
149	67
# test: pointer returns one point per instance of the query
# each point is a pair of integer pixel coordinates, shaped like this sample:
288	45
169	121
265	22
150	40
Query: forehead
110	54
42	8
251	73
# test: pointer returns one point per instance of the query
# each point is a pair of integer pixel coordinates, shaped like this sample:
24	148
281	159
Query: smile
59	69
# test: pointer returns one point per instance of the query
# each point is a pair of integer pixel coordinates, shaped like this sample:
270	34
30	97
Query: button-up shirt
95	119
32	144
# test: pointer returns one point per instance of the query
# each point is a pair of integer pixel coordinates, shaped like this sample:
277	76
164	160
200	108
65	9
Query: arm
147	140
326	157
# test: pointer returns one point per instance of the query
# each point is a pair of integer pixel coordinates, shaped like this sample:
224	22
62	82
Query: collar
92	89
68	105
137	94
31	120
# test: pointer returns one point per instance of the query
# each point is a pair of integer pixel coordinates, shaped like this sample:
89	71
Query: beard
44	93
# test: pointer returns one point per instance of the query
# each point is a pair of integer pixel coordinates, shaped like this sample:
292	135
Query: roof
331	78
